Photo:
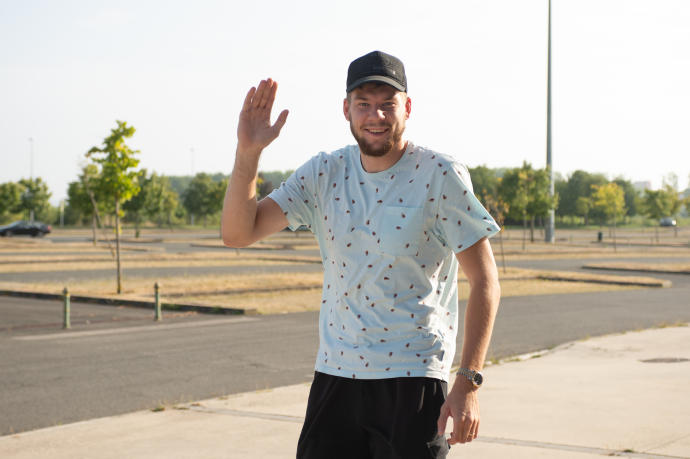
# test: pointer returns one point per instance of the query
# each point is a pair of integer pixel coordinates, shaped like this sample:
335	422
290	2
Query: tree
540	201
526	193
513	189
610	199
10	200
35	197
161	200
135	208
579	184
117	179
582	206
203	196
631	195
660	203
484	183
82	201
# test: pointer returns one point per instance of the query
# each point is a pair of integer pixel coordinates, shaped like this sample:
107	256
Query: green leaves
661	203
609	198
526	192
117	175
204	196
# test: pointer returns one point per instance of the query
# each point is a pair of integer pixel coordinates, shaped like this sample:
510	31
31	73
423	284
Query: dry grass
291	290
141	263
275	302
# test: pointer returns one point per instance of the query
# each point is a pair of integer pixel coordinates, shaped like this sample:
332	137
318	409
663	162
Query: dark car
667	221
33	229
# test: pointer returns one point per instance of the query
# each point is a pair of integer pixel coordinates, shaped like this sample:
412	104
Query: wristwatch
474	376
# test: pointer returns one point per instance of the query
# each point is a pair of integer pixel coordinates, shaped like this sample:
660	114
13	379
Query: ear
346	109
408	108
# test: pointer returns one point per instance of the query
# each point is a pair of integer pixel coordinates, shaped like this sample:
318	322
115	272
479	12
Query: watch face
478	379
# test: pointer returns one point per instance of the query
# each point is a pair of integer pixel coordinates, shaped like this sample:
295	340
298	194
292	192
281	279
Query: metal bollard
157	316
66	310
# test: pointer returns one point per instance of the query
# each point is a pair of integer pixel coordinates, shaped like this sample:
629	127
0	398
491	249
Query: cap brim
377	78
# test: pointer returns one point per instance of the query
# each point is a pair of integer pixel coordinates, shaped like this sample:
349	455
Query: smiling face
377	114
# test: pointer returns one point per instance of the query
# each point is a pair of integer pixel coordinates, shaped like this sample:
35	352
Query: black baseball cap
377	66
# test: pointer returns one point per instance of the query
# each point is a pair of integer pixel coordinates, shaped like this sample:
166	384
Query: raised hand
254	131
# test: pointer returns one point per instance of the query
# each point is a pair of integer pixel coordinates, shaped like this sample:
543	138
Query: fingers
443	420
263	93
261	97
280	122
248	99
465	429
271	94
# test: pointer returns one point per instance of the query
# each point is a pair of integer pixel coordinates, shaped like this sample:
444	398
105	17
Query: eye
362	104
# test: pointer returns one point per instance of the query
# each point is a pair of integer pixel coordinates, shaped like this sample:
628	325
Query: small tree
582	206
610	199
203	196
81	198
35	197
117	179
660	203
162	200
10	200
135	208
513	189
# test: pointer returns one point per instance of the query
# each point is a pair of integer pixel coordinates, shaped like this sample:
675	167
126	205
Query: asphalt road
116	360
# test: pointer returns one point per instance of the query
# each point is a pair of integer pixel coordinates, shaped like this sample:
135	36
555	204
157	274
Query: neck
373	164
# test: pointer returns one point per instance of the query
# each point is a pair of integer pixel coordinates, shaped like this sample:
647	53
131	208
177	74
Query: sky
178	72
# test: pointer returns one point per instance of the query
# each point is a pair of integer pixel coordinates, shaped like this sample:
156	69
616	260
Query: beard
382	150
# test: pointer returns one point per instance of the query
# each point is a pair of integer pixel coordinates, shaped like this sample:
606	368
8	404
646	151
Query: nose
380	113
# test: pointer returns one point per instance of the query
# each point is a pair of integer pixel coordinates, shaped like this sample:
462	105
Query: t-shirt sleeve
462	220
296	198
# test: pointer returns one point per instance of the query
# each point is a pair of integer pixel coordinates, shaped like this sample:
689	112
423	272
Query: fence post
66	310
156	289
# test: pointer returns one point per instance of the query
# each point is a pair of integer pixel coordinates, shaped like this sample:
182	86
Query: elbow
234	240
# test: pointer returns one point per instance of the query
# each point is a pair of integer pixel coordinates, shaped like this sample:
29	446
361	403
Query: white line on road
117	331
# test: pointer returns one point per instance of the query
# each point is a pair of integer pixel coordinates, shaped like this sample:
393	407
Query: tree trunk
615	249
93	227
524	231
531	229
117	245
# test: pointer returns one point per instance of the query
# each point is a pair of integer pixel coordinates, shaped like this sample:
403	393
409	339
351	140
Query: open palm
254	131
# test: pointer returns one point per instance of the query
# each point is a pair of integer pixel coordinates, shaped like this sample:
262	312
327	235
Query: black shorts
373	419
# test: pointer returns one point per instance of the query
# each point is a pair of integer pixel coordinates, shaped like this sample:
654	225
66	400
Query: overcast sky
178	72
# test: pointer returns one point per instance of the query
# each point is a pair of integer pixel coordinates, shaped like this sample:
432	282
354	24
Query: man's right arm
244	221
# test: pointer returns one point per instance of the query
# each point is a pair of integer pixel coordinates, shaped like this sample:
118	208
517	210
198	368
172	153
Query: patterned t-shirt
388	241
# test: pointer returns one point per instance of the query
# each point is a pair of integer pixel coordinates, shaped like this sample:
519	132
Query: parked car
33	229
667	221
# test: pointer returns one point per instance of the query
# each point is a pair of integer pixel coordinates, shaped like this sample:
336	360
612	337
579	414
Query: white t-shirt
388	241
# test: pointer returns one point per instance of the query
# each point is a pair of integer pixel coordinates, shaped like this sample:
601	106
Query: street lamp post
31	172
549	233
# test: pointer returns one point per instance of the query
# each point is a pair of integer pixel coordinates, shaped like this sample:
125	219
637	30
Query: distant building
641	186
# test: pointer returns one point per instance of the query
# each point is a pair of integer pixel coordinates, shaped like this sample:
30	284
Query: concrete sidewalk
621	395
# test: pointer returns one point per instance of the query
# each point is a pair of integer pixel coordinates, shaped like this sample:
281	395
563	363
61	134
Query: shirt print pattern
388	241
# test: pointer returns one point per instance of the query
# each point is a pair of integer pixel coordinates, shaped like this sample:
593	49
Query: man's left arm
462	405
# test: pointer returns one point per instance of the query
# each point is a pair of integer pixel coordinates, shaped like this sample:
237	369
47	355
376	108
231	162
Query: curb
655	284
133	303
641	270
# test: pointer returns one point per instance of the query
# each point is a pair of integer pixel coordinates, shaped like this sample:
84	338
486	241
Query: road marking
249	414
496	440
117	331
